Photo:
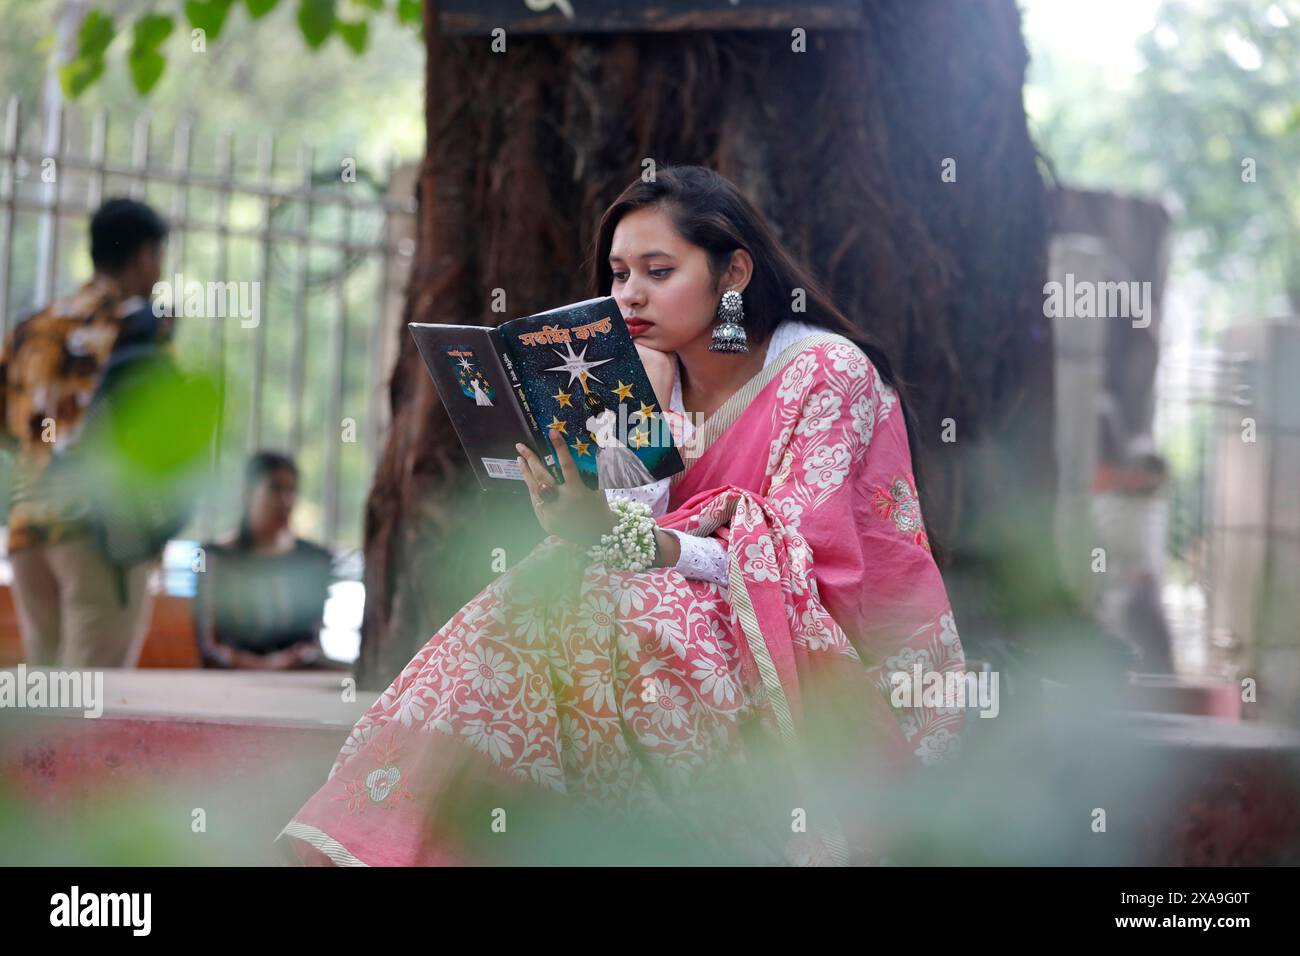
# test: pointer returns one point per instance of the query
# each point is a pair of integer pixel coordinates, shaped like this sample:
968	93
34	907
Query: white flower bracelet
631	545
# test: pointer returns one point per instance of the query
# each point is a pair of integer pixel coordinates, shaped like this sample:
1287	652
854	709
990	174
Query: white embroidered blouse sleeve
655	495
704	559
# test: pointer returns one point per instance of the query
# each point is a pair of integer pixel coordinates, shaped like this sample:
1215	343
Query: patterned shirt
52	363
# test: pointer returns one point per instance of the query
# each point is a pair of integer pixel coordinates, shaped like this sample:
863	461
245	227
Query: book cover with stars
574	369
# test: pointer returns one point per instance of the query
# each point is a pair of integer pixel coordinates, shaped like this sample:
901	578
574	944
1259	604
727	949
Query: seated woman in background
261	593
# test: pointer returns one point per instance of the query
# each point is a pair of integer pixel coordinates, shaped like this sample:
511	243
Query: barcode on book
503	468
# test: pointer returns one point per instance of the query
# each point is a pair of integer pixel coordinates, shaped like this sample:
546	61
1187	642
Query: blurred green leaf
167	426
97	32
146	69
260	8
410	11
92	40
144	61
353	34
150	31
76	76
316	21
208	15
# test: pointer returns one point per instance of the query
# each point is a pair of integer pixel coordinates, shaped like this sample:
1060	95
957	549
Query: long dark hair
261	465
708	211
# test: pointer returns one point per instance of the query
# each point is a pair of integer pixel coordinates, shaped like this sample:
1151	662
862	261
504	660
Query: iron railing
326	249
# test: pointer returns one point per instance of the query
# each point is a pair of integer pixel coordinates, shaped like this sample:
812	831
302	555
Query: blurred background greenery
1195	103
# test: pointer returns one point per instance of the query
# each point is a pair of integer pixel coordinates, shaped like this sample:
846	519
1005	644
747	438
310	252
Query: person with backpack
80	584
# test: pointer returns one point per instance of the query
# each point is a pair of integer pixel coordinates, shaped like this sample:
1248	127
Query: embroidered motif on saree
378	785
899	504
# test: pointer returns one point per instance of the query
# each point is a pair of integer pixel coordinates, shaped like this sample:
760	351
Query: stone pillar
1255	538
1080	376
1105	402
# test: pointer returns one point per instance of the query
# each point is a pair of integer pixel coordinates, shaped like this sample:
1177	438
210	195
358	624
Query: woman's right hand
661	367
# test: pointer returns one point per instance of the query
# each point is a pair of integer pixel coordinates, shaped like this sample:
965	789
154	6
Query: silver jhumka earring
729	335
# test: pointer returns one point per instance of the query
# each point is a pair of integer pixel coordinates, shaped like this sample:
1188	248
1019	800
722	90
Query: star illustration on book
564	398
581	447
577	366
640	439
465	364
624	392
558	425
647	410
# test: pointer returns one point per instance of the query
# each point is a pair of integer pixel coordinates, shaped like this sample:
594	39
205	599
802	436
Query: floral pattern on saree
644	688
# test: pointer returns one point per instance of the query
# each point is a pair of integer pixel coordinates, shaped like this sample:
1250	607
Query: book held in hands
574	369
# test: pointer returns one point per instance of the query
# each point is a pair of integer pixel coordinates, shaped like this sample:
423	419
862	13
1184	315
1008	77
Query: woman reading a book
706	668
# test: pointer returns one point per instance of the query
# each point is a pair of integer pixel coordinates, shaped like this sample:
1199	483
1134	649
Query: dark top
263	602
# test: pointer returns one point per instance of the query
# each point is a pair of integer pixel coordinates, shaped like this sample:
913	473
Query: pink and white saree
736	720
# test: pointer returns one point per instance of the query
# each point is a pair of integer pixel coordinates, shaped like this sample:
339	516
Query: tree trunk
844	148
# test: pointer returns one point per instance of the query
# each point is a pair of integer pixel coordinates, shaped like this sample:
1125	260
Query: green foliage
97	32
317	20
1217	87
260	8
208	15
145	61
165	426
1218	103
150	31
354	35
410	12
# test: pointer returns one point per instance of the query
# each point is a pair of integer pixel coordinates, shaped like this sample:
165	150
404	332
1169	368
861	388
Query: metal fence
1193	385
325	245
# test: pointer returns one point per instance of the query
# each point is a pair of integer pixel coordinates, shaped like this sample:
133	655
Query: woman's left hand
574	511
